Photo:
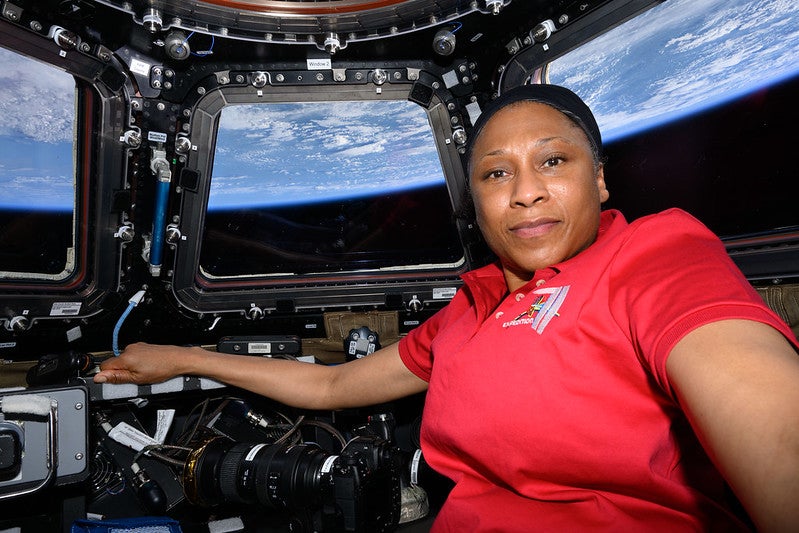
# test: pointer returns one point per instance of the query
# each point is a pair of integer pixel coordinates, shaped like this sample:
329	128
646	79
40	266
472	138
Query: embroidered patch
543	310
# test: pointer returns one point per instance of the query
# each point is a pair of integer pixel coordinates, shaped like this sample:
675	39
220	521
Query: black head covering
555	96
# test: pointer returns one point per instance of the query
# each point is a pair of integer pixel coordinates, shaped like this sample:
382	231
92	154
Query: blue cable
133	302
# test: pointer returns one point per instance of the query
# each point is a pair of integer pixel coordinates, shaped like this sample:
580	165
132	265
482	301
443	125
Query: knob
255	313
415	304
18	324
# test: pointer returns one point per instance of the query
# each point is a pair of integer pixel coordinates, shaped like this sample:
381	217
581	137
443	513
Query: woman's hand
143	363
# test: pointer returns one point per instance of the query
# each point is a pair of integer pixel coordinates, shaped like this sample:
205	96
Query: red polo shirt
550	407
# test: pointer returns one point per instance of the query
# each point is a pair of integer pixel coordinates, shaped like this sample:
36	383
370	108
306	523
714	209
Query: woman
570	384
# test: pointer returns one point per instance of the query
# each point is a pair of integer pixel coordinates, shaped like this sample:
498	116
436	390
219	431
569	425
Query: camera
356	490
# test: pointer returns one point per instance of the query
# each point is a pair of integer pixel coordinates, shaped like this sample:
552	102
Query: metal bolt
182	145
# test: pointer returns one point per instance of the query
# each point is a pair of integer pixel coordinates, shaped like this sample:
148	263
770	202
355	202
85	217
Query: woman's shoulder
668	217
673	223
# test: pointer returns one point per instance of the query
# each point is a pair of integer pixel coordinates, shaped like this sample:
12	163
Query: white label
251	454
319	64
310	326
156	136
140	67
7	344
225	525
444	293
260	347
74	334
129	436
163	423
65	308
417	455
474	111
328	464
450	79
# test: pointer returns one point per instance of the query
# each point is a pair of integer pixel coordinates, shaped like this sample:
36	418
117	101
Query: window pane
326	187
679	58
37	191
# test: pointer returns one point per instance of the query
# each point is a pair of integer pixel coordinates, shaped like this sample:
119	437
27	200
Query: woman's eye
553	161
495	174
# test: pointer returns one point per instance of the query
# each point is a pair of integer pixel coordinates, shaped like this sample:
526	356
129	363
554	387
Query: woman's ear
604	194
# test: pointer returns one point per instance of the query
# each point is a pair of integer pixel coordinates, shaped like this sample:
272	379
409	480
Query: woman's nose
528	189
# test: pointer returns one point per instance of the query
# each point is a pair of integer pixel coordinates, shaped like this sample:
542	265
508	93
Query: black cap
555	96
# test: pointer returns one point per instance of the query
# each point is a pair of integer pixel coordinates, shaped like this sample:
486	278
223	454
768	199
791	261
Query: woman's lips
533	228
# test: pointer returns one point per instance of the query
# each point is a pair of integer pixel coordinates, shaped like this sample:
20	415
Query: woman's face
536	190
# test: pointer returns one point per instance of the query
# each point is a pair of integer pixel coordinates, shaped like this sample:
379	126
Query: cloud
37	100
696	53
36	191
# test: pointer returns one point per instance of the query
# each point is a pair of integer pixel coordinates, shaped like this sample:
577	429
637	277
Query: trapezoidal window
37	170
326	188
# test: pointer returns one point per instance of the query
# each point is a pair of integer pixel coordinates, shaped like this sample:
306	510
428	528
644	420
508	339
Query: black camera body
357	490
366	482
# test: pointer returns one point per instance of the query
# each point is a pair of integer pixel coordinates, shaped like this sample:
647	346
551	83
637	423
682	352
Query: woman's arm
376	378
738	383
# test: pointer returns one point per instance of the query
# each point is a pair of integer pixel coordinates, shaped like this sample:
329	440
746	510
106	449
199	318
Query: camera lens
277	476
291	477
358	490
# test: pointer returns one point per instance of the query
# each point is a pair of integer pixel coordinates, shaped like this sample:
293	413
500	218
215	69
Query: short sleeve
672	275
416	348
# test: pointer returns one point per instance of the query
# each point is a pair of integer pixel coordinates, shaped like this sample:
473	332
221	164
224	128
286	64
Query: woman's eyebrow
539	142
